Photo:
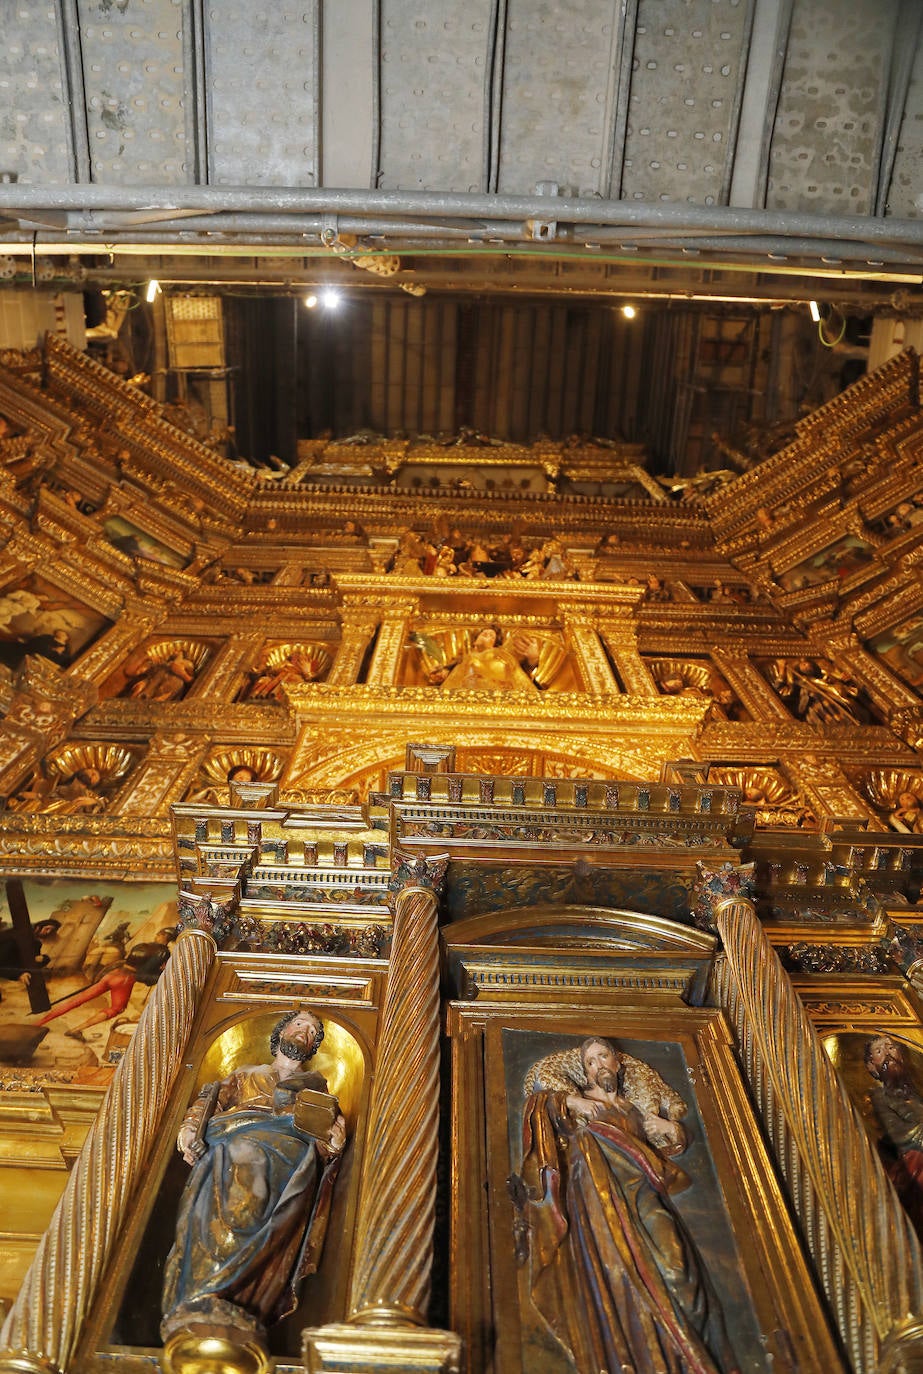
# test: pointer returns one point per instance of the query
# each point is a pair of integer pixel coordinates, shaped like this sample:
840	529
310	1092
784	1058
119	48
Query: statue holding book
264	1145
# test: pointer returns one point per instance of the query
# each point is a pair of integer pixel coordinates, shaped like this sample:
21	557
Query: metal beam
760	99
78	136
907	30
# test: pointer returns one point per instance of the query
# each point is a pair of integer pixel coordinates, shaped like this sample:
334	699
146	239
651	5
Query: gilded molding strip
394	1247
861	1241
45	1323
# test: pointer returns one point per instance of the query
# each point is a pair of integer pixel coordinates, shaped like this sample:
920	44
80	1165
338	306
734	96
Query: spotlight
152	292
310	302
331	299
815	312
629	312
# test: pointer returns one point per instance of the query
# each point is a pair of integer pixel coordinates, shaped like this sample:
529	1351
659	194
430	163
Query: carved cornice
93	847
673	715
888	395
258	724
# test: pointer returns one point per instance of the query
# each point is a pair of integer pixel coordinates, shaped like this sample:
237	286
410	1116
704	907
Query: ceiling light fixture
815	311
331	299
629	312
310	301
153	291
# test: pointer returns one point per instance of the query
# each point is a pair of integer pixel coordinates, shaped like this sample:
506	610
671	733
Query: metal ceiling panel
132	53
906	192
690	61
33	137
827	137
263	93
560	94
433	75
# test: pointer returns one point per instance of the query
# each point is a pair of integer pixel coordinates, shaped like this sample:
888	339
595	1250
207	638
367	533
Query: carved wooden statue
254	1211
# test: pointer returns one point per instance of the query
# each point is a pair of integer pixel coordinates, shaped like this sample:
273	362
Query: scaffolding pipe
17	199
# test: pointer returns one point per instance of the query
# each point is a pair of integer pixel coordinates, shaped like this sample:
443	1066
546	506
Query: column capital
410	871
209	913
714	887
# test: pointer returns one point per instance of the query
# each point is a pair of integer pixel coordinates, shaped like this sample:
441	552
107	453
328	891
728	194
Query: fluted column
390	1287
863	1246
45	1324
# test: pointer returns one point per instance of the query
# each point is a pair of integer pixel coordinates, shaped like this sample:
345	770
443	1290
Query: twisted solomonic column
45	1324
863	1246
394	1247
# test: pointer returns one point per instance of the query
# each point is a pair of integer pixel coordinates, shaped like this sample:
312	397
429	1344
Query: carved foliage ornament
716	885
222	921
416	870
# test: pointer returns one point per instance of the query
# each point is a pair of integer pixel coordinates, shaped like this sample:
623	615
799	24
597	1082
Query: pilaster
384	669
357	626
621	640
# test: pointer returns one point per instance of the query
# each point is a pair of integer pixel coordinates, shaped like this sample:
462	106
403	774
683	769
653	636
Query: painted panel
98	950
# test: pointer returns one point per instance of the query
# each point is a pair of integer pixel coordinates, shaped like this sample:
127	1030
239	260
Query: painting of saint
901	650
39	618
838	561
130	539
76	973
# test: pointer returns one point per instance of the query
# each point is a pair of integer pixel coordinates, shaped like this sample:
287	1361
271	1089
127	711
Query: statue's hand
668	1136
583	1106
188	1144
335	1140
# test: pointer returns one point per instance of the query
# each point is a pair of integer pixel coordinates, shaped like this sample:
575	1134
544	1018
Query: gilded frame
489	1295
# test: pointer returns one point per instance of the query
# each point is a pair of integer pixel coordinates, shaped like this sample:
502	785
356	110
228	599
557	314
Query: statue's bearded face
299	1037
886	1059
601	1065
